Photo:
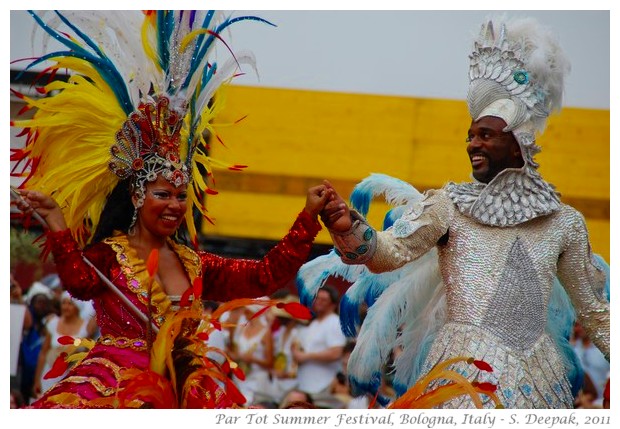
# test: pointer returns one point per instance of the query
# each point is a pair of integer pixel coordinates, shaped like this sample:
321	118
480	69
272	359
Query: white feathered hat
516	73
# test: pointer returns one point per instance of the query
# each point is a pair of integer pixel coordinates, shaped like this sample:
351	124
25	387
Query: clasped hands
324	201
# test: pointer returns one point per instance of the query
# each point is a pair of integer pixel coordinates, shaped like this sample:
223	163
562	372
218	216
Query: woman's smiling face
164	208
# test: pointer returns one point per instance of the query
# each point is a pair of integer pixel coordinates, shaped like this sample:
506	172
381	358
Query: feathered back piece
517	72
405	307
137	104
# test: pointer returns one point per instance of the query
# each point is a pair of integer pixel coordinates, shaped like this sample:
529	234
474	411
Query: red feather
226	367
238	372
482	365
259	312
152	262
23	133
23	110
185	297
195	398
65	340
58	368
374	401
233	393
197	286
17	94
487	387
150	387
216	324
296	310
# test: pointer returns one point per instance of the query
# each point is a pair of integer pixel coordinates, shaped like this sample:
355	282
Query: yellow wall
292	139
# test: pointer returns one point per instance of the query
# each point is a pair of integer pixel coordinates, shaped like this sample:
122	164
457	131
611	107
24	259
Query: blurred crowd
287	362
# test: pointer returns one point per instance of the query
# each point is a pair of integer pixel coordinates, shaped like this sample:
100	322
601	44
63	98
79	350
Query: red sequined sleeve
227	278
77	277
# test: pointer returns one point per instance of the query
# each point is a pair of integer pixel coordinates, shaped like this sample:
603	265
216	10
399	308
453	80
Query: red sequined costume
123	337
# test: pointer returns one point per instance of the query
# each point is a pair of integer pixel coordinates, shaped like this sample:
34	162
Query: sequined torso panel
501	278
498	283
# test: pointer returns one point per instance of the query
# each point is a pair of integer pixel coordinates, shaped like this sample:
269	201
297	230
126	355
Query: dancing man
501	239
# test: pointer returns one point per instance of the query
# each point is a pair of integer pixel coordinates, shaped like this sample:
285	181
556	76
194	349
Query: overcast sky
404	53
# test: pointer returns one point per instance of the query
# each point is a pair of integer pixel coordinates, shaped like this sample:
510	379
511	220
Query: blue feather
367	360
392	216
196	57
603	266
360	200
56	35
105	67
106	72
192	18
199	55
164	30
313	274
349	313
306	297
560	320
81	35
207	73
379	284
395	191
360	387
351	301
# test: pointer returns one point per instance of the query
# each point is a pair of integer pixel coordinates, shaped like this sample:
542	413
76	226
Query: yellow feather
75	127
65	398
192	35
148	40
416	397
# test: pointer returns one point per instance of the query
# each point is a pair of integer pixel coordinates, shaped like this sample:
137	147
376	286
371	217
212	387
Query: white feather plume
395	191
406	300
545	60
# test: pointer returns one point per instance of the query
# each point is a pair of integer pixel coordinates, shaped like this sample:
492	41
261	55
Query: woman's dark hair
117	212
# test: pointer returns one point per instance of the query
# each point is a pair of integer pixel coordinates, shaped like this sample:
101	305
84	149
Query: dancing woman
114	164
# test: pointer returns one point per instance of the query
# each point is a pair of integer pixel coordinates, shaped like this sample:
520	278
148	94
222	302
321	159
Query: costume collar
514	196
138	279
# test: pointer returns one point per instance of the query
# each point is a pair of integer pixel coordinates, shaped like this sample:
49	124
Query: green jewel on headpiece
521	77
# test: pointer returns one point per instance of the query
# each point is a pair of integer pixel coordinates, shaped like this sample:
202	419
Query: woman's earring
132	225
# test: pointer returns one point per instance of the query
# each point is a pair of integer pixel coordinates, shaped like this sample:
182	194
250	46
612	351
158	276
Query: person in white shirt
320	348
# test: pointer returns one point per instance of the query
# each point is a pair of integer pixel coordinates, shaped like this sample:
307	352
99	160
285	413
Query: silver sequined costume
498	272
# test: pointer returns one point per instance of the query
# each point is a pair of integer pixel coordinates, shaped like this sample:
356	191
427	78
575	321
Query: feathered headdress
516	72
138	103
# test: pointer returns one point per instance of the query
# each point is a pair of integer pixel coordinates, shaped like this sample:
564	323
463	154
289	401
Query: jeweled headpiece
516	72
147	145
137	104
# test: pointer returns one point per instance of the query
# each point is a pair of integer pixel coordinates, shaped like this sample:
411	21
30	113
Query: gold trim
93	381
122	342
137	275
